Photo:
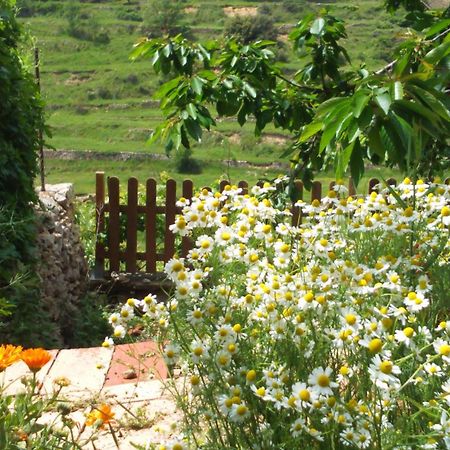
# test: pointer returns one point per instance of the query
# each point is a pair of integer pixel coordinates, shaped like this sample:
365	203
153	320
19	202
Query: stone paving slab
135	362
143	390
86	369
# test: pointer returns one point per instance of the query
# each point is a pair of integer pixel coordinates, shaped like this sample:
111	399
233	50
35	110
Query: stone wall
61	266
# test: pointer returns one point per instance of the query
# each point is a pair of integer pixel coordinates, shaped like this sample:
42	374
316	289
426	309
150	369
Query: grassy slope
98	100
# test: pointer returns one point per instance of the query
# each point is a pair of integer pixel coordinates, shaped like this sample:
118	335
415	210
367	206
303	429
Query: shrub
81	25
21	120
129	14
333	333
184	163
248	29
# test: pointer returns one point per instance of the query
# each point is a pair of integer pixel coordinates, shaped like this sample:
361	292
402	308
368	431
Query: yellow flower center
386	367
198	351
375	345
444	350
251	375
350	319
323	380
304	395
241	410
408	332
261	391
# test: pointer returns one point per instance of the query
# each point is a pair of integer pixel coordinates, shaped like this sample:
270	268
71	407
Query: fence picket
114	224
316	190
244	186
150	226
373	183
132	221
99	269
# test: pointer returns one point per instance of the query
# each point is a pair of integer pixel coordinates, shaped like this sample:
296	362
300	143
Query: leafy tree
246	29
338	115
162	17
21	117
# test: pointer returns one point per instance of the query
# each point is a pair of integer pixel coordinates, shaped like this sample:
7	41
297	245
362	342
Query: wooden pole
41	142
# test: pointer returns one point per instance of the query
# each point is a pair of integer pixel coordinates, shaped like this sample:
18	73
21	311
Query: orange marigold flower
35	358
100	416
9	354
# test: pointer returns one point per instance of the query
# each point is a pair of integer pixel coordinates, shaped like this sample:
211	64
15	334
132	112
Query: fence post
99	267
150	226
316	191
132	217
114	224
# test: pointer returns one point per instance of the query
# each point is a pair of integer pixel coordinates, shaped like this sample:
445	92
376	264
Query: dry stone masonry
62	267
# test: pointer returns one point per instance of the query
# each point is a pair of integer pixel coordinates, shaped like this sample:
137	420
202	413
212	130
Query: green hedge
21	116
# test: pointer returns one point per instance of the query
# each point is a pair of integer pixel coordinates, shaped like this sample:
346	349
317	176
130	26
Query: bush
162	17
184	163
248	29
294	6
333	333
84	27
129	14
21	119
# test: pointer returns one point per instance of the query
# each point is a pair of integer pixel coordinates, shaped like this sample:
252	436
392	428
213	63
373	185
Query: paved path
128	377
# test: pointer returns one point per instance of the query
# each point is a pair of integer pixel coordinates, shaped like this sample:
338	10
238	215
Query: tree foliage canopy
21	116
338	115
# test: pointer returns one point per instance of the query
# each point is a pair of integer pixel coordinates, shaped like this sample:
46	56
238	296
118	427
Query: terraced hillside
98	100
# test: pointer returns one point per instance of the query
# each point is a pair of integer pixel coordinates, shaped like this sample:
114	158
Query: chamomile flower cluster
332	332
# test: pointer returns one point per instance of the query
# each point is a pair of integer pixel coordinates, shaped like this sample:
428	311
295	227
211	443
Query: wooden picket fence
113	255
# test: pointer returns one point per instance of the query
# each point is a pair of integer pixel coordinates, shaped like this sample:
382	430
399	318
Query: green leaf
310	130
330	104
197	85
317	26
438	53
431	101
437	28
359	102
249	89
242	114
336	122
192	110
343	159
357	163
194	129
398	90
384	101
375	142
140	49
167	50
402	63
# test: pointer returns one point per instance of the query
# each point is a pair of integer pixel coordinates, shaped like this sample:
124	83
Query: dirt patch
232	11
191	10
275	139
234	138
76	79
